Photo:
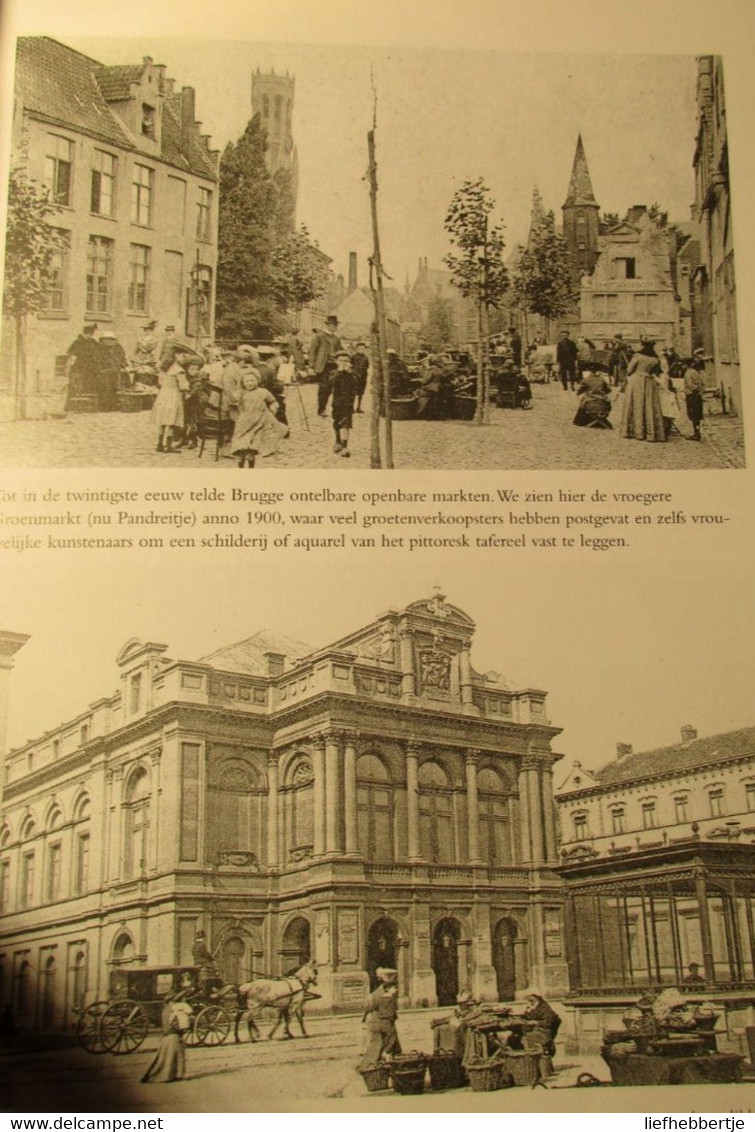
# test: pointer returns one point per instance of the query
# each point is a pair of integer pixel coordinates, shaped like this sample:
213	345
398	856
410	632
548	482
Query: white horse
286	995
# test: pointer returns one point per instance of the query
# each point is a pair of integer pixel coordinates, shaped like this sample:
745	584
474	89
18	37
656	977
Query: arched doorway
446	961
382	947
297	947
48	994
232	966
504	957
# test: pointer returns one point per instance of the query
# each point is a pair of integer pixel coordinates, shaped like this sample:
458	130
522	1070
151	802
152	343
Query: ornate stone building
375	801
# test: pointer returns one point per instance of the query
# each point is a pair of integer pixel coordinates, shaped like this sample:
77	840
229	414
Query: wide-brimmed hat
387	974
532	992
245	351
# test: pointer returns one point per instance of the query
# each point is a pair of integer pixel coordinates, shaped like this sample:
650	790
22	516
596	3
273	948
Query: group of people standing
650	407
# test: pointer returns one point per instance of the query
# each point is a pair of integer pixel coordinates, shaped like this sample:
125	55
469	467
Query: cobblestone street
316	1075
542	438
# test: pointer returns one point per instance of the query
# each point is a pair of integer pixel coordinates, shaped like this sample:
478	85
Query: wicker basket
485	1077
446	1071
403	408
408	1073
524	1067
377	1077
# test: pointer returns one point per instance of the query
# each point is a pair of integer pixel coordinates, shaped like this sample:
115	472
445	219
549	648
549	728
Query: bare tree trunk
479	415
376	390
19	399
380	301
486	364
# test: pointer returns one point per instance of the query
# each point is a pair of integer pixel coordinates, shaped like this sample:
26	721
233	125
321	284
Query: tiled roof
177	148
248	656
580	185
60	84
115	82
695	753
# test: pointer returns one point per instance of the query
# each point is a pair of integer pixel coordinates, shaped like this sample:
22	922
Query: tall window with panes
142	191
204	214
54	862
138	286
81	878
4	885
59	169
99	275
27	880
57	276
104	168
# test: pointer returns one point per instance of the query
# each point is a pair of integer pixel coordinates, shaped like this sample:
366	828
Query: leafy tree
249	223
439	327
544	280
477	267
299	271
31	247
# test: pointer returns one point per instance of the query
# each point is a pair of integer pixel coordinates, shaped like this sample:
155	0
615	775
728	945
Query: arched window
28	828
581	828
78	980
374	809
5	902
136	824
436	821
492	795
48	993
302	821
23	989
234	809
81	845
123	949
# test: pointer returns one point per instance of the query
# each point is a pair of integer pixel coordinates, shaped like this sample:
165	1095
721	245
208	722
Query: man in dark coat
342	385
360	363
566	356
113	368
83	365
322	352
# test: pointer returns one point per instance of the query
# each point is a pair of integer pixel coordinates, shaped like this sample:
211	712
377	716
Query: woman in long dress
257	432
169	1063
641	417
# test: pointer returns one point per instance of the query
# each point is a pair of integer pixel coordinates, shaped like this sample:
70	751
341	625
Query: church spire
537	214
580	186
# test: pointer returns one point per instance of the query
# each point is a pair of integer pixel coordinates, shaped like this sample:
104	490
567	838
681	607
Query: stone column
536	813
473	806
350	792
412	801
406	660
155	807
546	783
272	810
706	937
332	793
524	813
318	766
465	676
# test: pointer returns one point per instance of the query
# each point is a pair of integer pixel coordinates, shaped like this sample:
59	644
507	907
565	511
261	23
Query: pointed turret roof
580	185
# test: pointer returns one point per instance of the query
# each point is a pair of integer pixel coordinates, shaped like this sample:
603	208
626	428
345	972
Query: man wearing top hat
322	352
82	368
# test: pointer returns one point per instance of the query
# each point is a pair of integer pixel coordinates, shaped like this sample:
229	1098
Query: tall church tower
580	212
273	100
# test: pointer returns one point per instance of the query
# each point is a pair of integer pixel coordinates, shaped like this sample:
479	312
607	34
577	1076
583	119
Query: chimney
623	749
275	663
352	272
635	212
188	112
688	733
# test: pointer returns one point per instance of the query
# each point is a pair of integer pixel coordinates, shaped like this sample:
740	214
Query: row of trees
543	278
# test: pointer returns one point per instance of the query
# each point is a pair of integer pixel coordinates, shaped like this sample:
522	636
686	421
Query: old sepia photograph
426	853
240	255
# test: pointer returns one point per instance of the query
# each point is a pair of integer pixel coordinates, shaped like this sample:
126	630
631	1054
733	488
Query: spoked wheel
212	1026
124	1027
88	1027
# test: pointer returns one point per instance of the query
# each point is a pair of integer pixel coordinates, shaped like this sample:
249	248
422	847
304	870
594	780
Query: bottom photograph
378	845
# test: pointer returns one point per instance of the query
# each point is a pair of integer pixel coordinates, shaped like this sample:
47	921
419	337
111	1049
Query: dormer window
149	118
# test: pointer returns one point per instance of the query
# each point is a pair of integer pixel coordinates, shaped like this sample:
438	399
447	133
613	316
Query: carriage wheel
88	1027
212	1026
124	1027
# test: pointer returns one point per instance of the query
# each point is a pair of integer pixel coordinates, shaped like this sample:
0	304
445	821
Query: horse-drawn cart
137	996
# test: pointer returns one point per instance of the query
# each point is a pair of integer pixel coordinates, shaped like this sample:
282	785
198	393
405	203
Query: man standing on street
566	356
360	363
322	351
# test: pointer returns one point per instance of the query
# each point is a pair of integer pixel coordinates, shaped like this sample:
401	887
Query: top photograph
266	256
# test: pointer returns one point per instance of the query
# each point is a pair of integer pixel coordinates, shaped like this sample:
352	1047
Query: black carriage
135	1005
